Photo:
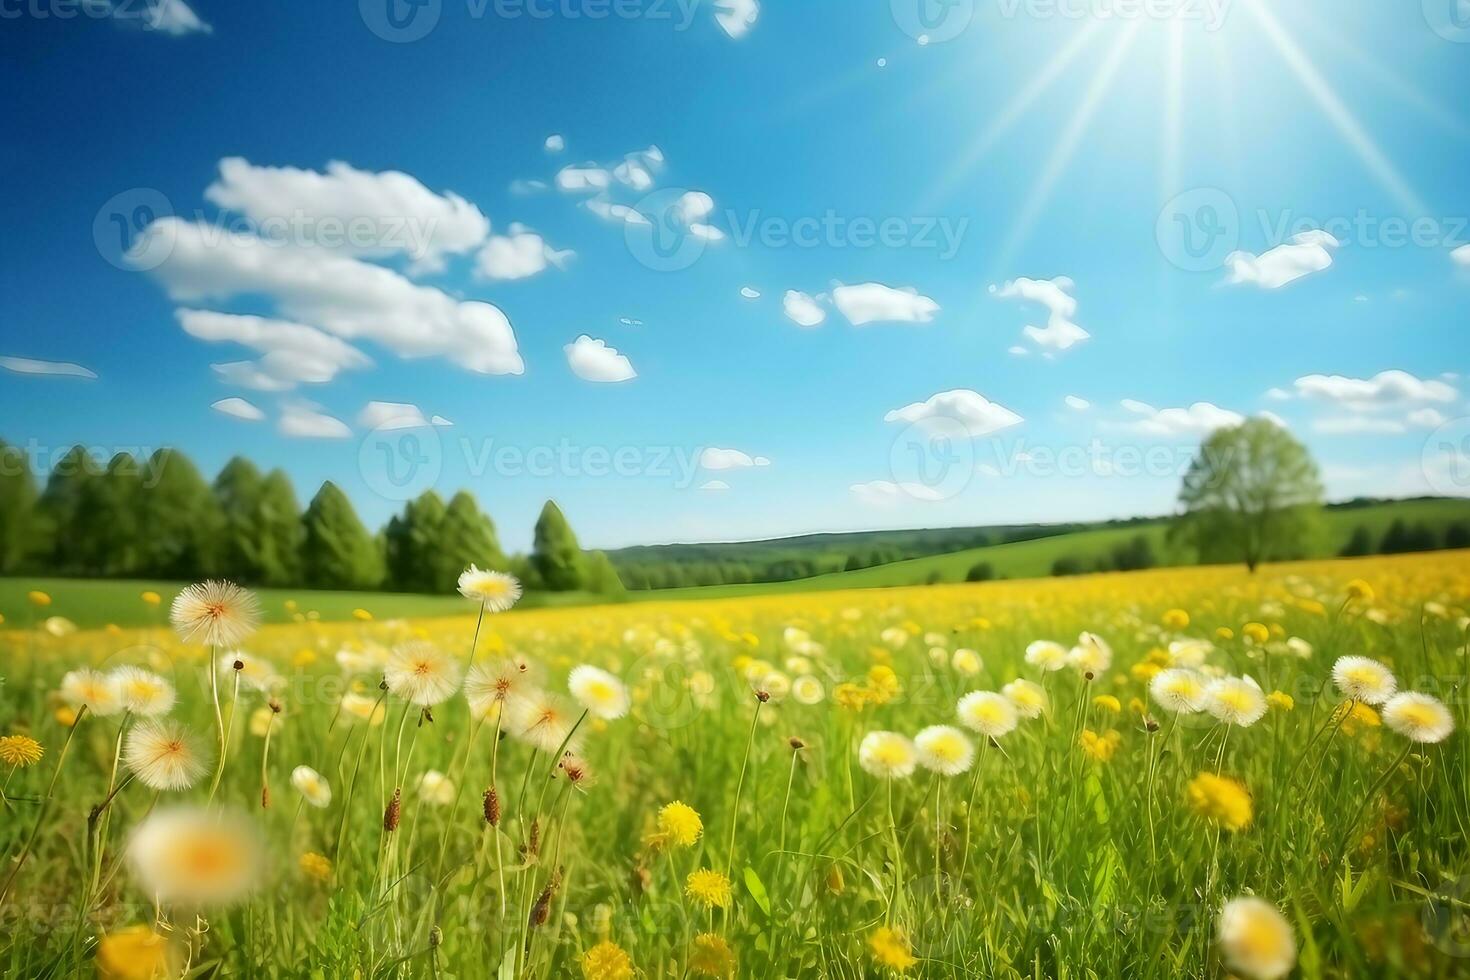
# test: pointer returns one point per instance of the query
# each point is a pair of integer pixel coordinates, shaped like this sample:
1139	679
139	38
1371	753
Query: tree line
158	517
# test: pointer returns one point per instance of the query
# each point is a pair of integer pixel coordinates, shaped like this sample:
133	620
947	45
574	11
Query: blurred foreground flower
196	857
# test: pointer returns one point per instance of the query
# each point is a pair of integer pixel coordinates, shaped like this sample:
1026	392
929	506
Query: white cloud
1427	418
593	360
1301	256
172	17
56	369
873	302
357	212
294	353
1386	388
1018	351
587	178
1077	404
737	17
885	493
303	420
519	254
1462	256
1199	419
346	297
608	211
1278	394
1061	331
238	408
714	485
694	206
730	459
802	310
389	416
1357	425
555	143
632	173
973	412
750	292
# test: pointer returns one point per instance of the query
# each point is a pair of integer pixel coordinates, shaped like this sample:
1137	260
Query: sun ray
1173	106
1346	123
1008	117
1061	155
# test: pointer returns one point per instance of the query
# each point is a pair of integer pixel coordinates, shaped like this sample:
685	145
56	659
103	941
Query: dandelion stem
739	786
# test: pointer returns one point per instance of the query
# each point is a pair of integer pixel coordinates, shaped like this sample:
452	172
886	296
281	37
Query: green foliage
982	571
61	506
1359	545
1403	538
261	533
602	577
17	507
411	541
467	538
178	517
1252	494
338	552
555	554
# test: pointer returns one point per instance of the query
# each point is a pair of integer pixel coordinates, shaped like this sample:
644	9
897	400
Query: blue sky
1205	211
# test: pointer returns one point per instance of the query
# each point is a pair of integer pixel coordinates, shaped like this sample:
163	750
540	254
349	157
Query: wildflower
20	751
1091	655
264	720
1046	655
1281	701
151	598
1419	717
215	613
1028	698
254	672
84	688
362	615
891	948
368	709
887	755
1188	653
316	866
491	686
679	824
944	750
1179	691
709	888
1224	634
1108	703
1364	679
1255	939
1100	748
135	953
599	692
1255	632
711	956
607	961
1176	620
988	713
143	692
543	721
1220	800
966	662
853	697
436	788
497	591
196	857
1235	701
312	786
807	690
164	755
883	685
38	599
1355	716
421	673
1359	591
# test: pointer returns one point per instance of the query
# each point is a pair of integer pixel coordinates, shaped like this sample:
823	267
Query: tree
237	491
1457	535
980	572
110	506
1135	554
603	578
555	554
61	507
178	519
1360	544
280	531
412	540
466	537
1068	565
337	552
1252	494
17	507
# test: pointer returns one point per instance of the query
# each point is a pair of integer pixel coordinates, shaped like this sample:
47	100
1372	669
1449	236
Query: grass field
1103	837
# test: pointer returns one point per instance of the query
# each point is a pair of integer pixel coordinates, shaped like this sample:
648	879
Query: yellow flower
1360	591
1176	619
1107	702
40	599
65	716
1224	633
679	824
20	751
151	598
1144	671
607	961
134	953
891	948
1100	748
1220	800
316	866
711	956
1256	632
1358	718
1280	700
709	888
362	615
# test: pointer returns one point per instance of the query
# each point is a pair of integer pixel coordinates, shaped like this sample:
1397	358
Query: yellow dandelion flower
1281	701
711	956
1256	632
679	824
316	866
151	598
1108	703
891	948
362	615
1357	718
19	751
135	953
1220	800
1100	748
38	599
709	888
1176	619
607	961
1224	633
1359	591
